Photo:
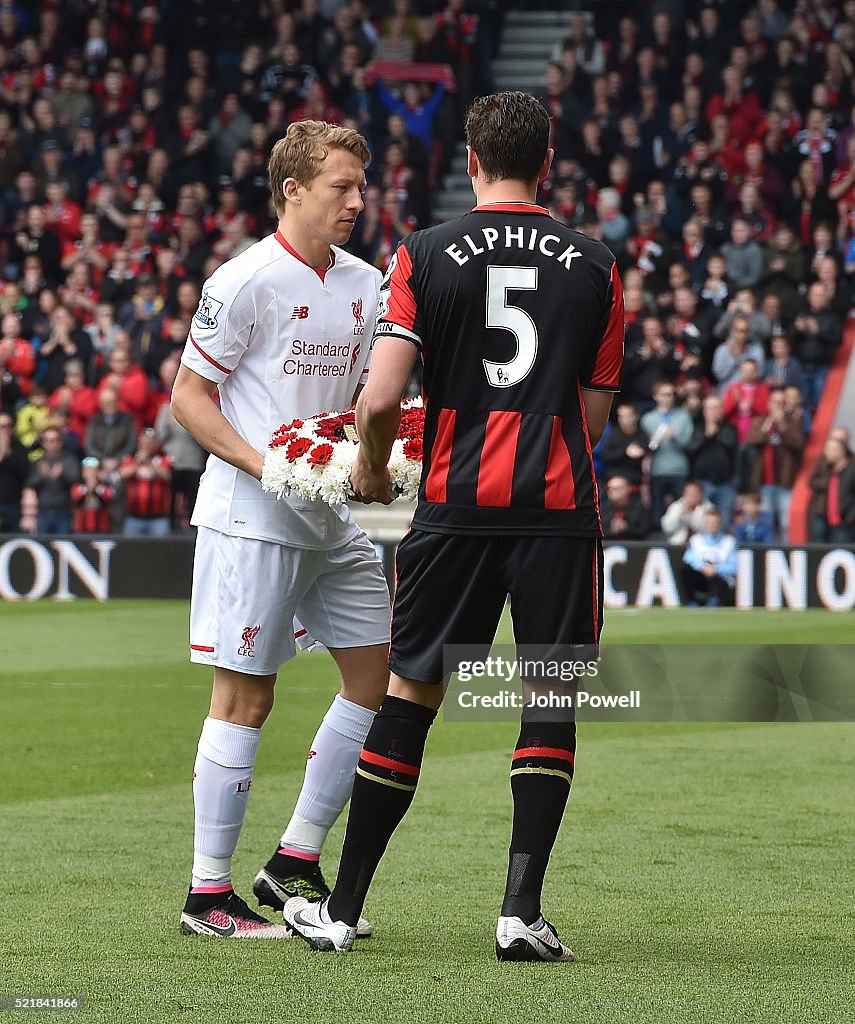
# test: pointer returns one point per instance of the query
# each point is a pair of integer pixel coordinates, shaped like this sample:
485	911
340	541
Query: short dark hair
509	132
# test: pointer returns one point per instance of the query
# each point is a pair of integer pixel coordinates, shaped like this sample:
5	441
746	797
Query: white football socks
221	782
329	777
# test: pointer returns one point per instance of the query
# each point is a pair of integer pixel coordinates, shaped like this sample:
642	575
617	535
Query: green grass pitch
704	873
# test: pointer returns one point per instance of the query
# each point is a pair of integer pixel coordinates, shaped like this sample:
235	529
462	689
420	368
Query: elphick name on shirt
486	240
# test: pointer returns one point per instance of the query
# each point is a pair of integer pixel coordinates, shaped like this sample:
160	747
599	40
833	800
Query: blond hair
300	154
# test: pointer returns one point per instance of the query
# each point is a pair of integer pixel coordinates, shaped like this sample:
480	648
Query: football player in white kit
282	332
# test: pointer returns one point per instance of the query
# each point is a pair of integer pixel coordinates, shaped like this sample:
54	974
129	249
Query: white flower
331	482
334	485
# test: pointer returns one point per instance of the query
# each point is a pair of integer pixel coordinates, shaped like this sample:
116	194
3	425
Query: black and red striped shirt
148	496
91	507
514	314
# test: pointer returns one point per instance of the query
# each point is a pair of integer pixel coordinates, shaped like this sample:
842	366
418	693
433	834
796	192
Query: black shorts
451	589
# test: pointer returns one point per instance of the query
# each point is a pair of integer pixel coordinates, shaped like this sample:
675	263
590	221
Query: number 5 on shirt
501	313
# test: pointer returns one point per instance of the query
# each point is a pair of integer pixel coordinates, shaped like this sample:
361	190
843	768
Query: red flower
328	433
414	449
282	439
412	423
330	428
321	455
297	448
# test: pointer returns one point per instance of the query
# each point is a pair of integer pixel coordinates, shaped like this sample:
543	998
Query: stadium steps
528	40
455	196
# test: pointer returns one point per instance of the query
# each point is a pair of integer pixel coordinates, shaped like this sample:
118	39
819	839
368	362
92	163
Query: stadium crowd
716	156
710	145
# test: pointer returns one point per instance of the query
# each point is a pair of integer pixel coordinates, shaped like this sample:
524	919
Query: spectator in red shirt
88	249
725	148
136	245
78	295
16	353
148	489
79	401
61	214
777	439
746	398
130	383
91	498
742	108
316	107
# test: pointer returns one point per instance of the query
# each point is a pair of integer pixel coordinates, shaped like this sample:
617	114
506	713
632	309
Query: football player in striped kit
519	322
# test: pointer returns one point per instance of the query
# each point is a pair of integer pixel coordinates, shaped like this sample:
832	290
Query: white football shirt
283	341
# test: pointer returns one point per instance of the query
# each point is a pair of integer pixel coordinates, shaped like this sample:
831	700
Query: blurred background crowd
710	145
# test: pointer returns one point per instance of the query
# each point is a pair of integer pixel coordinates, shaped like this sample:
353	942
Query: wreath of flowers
312	458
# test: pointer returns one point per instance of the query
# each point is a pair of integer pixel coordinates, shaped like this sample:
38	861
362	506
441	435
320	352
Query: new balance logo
300	313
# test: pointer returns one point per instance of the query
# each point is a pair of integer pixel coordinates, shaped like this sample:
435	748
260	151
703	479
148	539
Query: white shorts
246	594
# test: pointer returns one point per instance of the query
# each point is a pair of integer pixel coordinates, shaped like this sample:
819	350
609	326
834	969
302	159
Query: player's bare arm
194	408
597	406
378	416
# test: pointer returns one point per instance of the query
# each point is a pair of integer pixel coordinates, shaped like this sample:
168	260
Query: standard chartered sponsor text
317	364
